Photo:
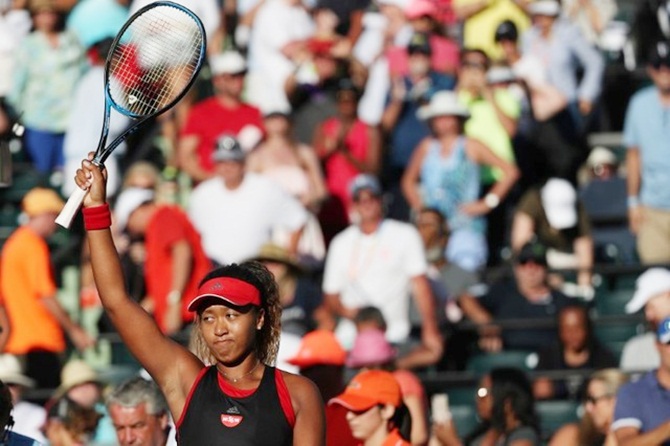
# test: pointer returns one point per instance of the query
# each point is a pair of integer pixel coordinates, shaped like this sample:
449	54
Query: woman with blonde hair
594	428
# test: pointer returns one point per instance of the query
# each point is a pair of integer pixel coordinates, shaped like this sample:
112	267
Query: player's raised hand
93	179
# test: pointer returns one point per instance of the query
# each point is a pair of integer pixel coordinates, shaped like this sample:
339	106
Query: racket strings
154	60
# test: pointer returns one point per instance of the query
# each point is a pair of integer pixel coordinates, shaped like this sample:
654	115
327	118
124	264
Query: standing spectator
590	16
444	172
652	296
175	259
599	404
279	34
37	319
28	417
554	215
15	25
259	206
139	413
375	263
646	164
525	296
642	411
400	120
481	17
223	113
563	50
227	388
346	146
375	409
49	64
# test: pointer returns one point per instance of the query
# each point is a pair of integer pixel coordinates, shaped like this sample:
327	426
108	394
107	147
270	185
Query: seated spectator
652	296
444	173
69	423
346	147
259	206
642	411
321	358
376	262
372	351
8	434
139	413
602	164
375	411
506	398
554	214
577	349
526	295
483	434
599	401
81	391
28	417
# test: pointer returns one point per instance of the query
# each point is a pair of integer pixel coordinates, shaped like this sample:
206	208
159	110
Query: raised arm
172	366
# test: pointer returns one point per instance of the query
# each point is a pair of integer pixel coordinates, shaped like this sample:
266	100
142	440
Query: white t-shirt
376	270
640	354
29	419
234	224
14	26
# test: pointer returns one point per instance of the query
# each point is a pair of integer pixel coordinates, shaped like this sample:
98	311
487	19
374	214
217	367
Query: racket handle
71	207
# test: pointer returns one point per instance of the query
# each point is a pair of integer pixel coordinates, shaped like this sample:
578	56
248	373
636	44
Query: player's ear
260	319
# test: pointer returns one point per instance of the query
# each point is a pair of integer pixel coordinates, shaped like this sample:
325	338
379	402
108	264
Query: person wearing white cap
652	296
225	112
444	173
28	417
554	214
642	411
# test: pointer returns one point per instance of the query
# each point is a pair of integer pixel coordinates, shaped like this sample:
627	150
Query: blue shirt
642	404
563	53
647	128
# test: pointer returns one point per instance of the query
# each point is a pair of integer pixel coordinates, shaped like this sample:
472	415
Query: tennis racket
152	63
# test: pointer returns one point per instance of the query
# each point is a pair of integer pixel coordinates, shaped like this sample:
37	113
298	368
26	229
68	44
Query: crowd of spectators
417	176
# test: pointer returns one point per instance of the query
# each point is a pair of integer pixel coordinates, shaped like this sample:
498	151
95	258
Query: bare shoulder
568	434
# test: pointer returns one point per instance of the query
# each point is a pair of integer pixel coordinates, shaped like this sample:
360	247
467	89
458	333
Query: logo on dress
232	417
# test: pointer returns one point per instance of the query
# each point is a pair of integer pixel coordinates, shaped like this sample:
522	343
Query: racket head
154	60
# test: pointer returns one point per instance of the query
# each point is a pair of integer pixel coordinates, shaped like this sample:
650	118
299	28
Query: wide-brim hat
76	372
443	103
12	373
271	252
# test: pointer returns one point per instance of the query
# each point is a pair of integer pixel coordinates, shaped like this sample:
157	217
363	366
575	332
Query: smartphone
439	405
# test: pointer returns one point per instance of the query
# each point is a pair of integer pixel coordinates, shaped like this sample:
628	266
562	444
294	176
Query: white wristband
174	297
491	200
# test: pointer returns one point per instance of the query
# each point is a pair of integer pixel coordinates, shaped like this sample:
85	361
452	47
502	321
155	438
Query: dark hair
402	419
442	220
506	30
329	379
590	338
78	420
256	274
371	314
6	406
510	386
466	51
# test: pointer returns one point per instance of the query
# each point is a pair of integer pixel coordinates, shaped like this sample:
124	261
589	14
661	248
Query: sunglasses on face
474	65
657	64
525	261
590	399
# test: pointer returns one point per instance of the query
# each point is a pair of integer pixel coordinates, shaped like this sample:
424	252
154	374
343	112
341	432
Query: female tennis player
229	393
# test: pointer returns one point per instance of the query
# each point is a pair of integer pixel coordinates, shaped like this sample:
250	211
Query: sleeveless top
447	183
212	417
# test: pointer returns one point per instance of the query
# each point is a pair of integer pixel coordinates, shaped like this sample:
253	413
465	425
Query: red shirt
168	226
210	119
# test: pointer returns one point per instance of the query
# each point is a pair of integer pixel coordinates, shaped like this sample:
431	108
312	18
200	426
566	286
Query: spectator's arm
182	259
633	180
373	155
473	310
594	66
465	11
411	177
77	335
318	191
187	158
583	248
508	122
425	304
394	106
631	436
417	410
332	305
523	228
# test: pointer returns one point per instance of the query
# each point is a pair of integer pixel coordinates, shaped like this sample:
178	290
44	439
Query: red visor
233	291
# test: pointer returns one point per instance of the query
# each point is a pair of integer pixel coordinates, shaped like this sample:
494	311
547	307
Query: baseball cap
370	348
559	200
227	148
228	289
601	155
507	30
369	388
364	181
41	200
532	251
651	283
420	8
420	43
549	8
663	332
229	62
130	199
319	347
660	54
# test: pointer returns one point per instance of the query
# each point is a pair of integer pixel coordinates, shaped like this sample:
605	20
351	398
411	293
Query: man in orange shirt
36	318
